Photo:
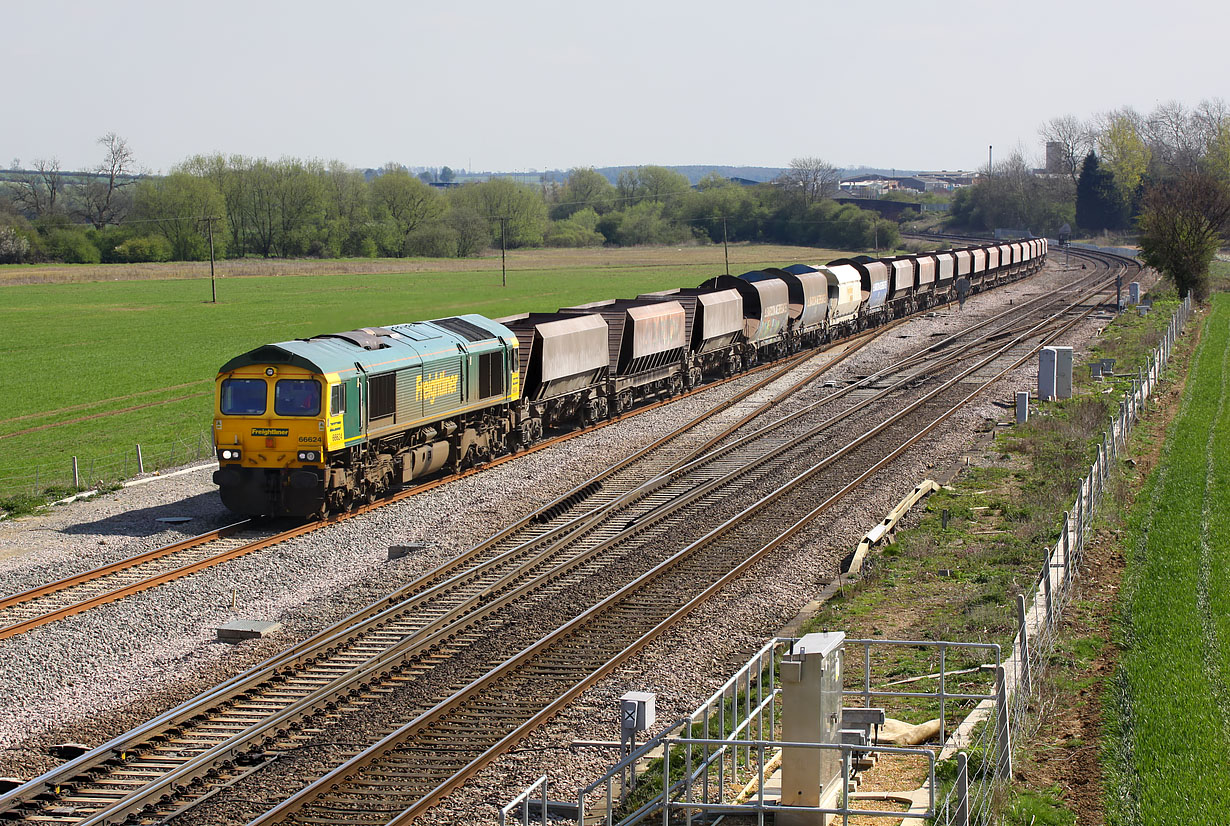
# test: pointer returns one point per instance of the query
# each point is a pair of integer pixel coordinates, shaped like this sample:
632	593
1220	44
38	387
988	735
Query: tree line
1106	165
1165	175
309	208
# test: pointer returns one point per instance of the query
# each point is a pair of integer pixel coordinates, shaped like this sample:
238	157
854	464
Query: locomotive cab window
337	400
491	374
296	397
243	397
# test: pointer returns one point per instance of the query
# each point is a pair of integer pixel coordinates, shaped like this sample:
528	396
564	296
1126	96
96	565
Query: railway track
176	760
288	684
21	612
401	775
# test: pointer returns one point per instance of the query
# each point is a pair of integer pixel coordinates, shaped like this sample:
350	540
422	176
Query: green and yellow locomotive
310	426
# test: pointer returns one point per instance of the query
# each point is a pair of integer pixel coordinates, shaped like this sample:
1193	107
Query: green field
92	368
1169	707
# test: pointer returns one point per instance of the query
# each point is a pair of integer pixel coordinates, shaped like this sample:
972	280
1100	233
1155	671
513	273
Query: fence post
140	461
76	474
1066	544
1003	735
962	814
1020	617
1046	589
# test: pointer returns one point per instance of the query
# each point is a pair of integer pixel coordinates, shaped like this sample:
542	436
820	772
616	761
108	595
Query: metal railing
522	802
734	730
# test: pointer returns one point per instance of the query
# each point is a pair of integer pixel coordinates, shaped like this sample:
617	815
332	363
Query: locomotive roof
379	349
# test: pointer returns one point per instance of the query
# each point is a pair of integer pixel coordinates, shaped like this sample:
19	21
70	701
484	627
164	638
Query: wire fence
82	473
726	750
983	763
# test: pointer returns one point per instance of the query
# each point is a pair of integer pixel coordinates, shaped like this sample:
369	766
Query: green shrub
577	230
142	249
72	247
433	240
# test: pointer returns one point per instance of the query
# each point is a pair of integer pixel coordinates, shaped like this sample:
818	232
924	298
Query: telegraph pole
503	253
725	249
213	285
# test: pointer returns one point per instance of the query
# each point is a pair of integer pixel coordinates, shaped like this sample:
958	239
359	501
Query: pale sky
527	84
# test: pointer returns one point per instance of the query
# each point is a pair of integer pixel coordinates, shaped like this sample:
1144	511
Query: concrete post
1022	406
1046	588
1134	292
76	474
961	816
1024	634
1067	550
1003	734
140	461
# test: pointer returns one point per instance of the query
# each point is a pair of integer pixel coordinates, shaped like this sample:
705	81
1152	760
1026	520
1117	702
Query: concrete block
1022	406
238	630
1134	292
1095	370
398	551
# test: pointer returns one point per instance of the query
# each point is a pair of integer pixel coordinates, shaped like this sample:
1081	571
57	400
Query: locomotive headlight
307	456
229	454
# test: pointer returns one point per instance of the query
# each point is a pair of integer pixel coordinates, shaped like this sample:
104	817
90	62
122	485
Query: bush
643	223
14	246
72	247
577	230
433	240
142	249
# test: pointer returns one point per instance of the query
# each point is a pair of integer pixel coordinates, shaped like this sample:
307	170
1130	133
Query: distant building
874	185
1056	163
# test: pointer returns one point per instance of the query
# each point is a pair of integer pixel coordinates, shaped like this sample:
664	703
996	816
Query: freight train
319	425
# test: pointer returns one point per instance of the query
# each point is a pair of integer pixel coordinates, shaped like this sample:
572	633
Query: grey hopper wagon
873	282
559	354
713	327
808	289
766	308
646	344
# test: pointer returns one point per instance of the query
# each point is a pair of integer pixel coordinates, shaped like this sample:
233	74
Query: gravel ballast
91	676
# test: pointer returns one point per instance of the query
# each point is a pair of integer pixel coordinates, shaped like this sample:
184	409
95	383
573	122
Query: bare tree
37	192
1211	117
1075	138
813	178
101	196
1174	134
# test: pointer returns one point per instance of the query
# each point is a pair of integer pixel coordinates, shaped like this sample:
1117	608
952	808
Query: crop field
1169	706
94	367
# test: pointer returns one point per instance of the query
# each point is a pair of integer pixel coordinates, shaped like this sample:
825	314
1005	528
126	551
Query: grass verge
1168	706
960	582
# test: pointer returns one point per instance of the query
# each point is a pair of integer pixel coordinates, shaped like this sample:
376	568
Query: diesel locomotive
313	426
